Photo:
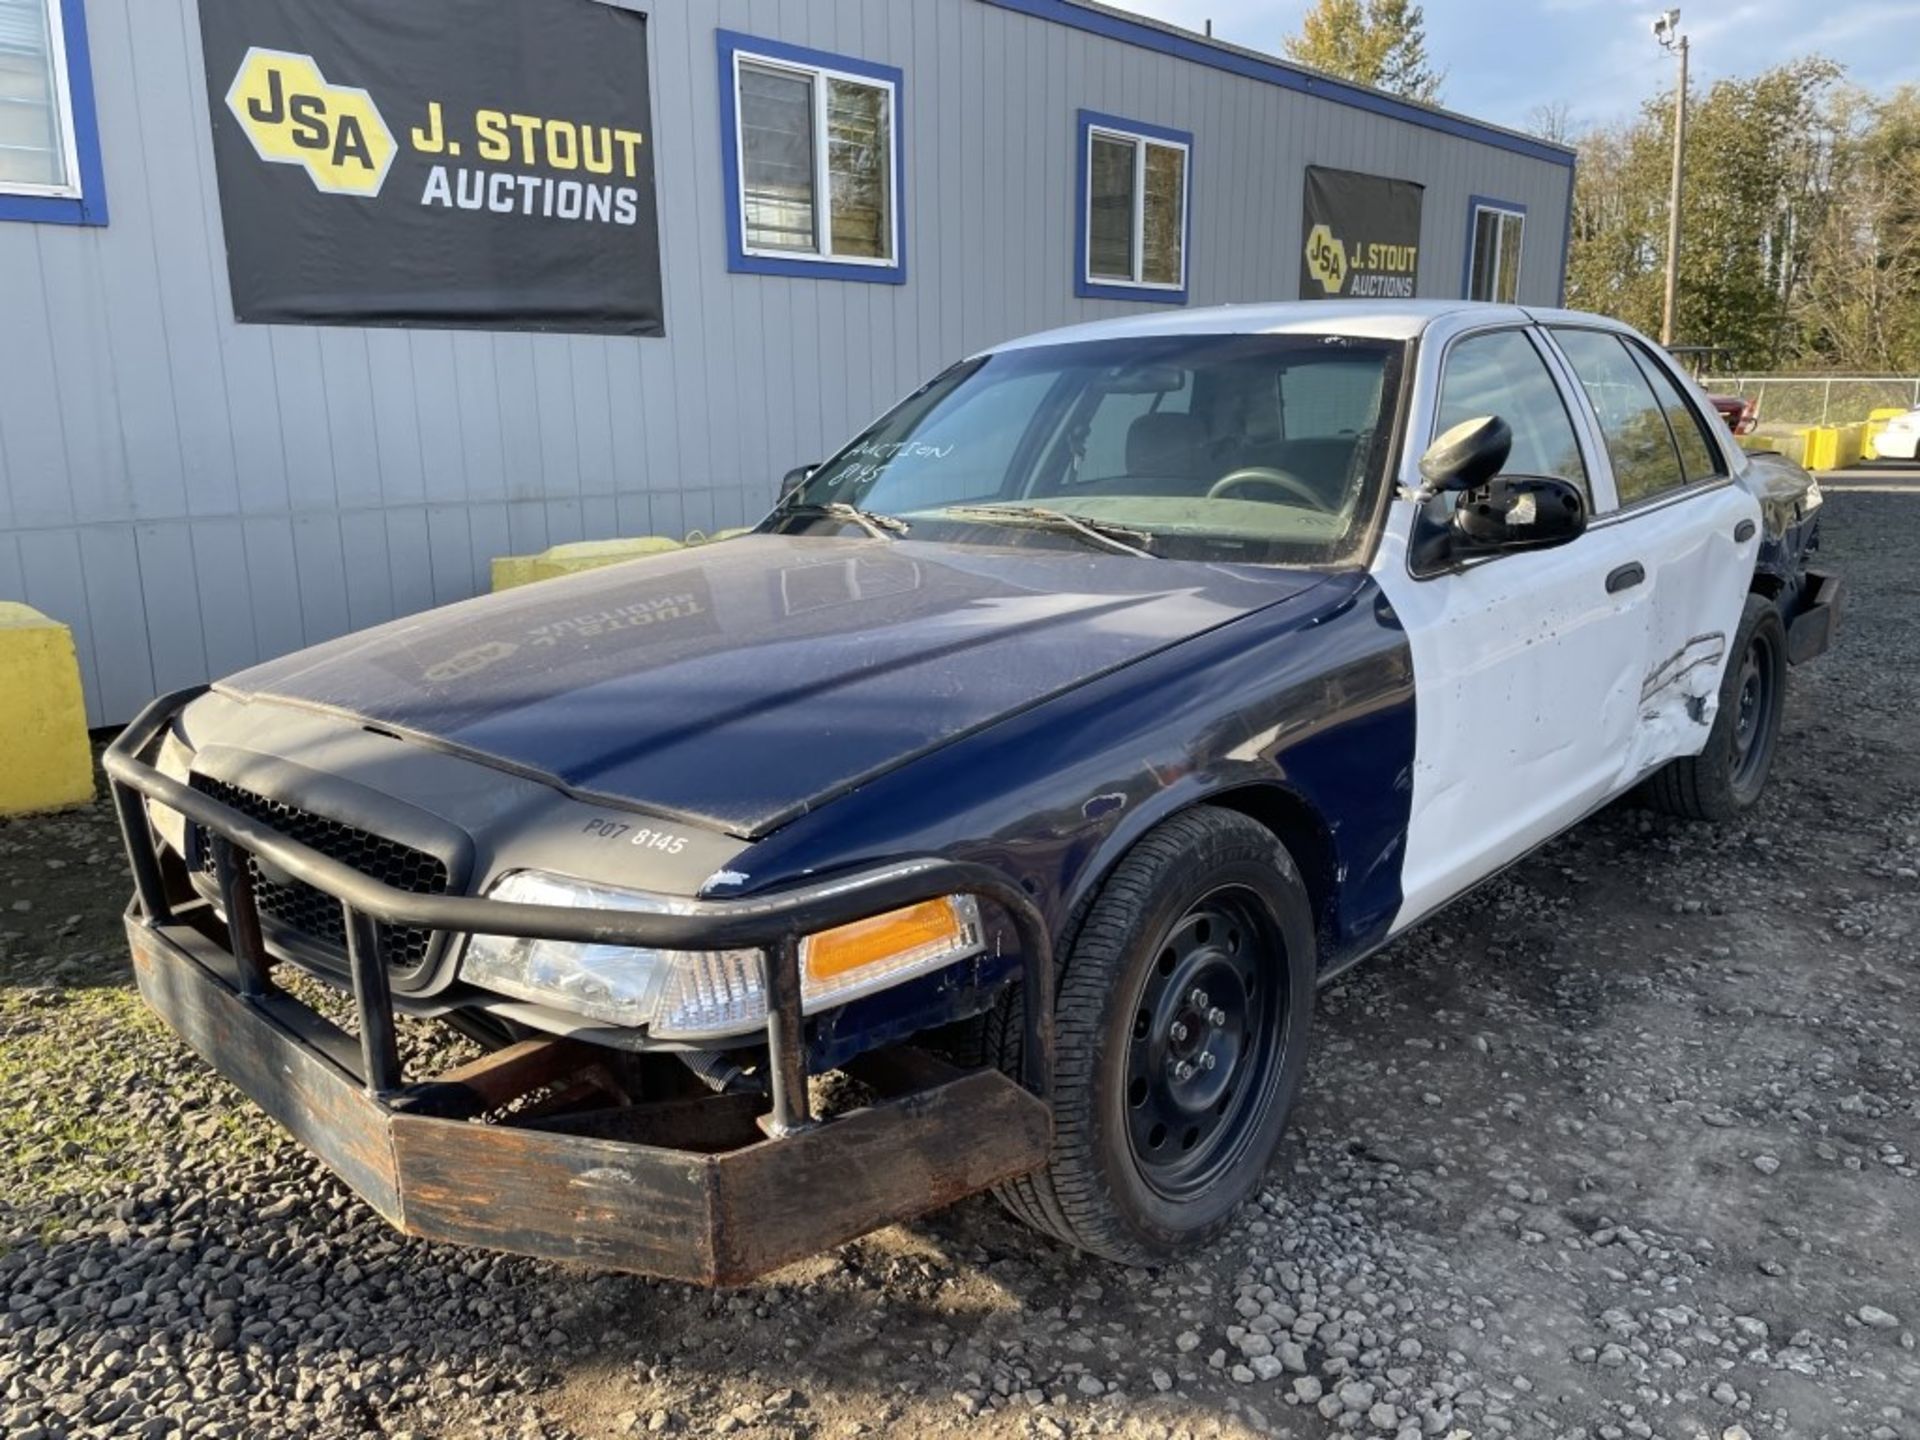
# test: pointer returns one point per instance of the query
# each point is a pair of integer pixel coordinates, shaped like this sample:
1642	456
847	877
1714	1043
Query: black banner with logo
472	164
1360	236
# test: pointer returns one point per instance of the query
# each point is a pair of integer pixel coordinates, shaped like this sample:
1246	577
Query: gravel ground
1626	1144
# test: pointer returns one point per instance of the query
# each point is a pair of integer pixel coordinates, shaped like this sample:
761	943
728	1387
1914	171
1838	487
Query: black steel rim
1207	1042
1754	699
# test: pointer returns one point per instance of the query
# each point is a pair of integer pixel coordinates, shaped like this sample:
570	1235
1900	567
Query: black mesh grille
311	913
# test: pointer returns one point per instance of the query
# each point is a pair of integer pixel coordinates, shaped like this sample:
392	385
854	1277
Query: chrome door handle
1626	577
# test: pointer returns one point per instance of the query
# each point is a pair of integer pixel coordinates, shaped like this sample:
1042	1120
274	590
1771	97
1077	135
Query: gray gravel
1623	1145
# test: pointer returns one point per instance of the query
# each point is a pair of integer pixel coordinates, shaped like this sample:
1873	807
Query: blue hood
744	683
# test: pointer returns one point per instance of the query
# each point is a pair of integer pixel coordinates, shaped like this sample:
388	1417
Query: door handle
1626	577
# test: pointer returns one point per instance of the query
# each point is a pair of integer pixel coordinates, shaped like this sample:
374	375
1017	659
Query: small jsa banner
464	164
1360	236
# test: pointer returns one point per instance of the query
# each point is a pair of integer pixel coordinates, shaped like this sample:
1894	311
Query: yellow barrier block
45	760
512	570
1833	447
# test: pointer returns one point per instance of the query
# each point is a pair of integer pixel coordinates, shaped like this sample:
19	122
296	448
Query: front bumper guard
533	1149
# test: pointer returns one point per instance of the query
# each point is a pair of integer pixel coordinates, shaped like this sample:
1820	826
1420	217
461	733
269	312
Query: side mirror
1470	454
1516	512
795	478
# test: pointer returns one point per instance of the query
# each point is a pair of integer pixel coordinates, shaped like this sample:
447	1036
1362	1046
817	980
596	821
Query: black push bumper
536	1148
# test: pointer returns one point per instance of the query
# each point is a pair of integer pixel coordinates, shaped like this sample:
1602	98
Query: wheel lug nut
1179	1030
1216	1016
1207	1062
1199	999
1182	1070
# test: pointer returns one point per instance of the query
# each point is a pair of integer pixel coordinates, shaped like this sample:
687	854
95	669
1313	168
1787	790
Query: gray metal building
192	494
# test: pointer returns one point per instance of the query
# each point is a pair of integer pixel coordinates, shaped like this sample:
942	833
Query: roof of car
1362	319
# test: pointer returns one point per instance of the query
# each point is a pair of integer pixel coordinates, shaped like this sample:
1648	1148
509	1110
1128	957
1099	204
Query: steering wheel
1248	476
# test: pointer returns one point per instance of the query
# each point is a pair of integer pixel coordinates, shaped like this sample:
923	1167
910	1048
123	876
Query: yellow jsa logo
294	117
1326	259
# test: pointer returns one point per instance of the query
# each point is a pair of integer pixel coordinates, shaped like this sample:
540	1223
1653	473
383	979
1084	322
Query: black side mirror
795	478
1470	454
1516	512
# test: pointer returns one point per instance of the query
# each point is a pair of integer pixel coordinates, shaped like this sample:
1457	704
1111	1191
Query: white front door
1528	666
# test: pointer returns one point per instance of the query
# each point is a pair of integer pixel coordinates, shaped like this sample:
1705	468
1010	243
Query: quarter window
38	155
814	144
1640	442
1500	373
1699	458
1133	225
1493	271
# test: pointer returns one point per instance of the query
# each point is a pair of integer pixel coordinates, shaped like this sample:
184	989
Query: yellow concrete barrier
45	760
512	570
1834	447
1790	443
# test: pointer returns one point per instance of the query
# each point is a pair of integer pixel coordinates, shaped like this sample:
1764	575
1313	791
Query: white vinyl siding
37	154
807	132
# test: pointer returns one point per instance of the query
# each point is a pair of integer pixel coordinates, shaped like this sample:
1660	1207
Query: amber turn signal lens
932	925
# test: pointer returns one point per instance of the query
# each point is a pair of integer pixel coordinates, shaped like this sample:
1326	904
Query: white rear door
1678	511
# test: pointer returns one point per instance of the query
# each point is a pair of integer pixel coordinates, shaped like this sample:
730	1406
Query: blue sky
1503	59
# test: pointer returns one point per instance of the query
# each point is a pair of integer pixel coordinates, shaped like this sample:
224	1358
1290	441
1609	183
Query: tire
1208	901
1727	777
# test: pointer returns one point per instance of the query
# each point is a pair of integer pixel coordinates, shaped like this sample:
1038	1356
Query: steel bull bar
714	1189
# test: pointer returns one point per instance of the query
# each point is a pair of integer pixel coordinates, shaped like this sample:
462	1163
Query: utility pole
1666	30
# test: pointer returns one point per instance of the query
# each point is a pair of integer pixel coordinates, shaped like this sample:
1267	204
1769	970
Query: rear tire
1181	1031
1727	778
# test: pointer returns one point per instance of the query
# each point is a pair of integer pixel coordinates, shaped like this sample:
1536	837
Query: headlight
700	994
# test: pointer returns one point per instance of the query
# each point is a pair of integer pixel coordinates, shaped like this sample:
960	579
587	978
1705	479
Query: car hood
743	683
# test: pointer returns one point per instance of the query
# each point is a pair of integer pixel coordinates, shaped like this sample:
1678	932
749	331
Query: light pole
1666	29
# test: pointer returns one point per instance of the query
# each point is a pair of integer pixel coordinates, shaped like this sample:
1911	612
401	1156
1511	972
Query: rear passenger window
1502	374
1640	443
1699	459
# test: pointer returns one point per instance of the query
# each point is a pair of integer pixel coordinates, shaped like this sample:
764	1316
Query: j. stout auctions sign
1361	236
457	163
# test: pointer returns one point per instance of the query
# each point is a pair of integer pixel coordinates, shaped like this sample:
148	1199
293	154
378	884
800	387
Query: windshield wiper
881	527
1115	537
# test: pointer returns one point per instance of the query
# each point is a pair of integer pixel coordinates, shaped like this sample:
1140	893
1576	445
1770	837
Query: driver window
1500	373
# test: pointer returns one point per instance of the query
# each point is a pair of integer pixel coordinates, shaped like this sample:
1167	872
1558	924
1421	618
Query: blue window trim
1475	204
1566	237
732	43
1089	289
1201	51
91	206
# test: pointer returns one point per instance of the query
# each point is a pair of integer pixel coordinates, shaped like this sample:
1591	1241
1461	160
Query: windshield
1257	448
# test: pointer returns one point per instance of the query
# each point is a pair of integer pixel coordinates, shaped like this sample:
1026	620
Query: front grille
313	915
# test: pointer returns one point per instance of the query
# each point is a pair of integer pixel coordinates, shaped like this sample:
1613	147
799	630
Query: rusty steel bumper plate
720	1206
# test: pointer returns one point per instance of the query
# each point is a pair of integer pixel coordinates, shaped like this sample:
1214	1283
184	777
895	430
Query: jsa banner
472	164
1361	236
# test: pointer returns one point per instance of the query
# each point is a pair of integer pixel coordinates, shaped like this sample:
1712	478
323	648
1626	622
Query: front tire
1727	777
1181	1035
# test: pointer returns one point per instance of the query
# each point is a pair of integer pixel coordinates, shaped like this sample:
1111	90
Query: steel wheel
1756	694
1207	1043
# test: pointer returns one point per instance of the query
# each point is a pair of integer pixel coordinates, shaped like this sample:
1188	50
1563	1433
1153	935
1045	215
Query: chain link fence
1817	399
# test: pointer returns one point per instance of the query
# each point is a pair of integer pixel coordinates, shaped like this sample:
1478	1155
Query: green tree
1761	155
1382	43
1859	309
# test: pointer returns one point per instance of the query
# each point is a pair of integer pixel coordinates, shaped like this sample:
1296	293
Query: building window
49	151
1494	237
1135	191
811	147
